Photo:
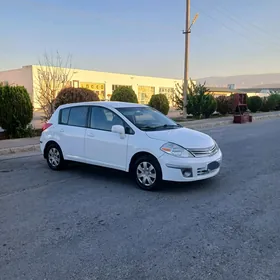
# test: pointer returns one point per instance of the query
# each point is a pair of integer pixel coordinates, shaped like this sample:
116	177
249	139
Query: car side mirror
119	129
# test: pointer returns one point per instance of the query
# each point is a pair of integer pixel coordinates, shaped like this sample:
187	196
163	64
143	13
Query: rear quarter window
64	116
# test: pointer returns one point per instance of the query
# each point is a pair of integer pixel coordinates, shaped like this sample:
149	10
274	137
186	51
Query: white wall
110	79
21	77
26	76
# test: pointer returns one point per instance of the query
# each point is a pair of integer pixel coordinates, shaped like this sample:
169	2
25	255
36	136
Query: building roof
220	89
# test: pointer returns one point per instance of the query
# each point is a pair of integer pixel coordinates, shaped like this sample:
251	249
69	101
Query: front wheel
55	157
147	173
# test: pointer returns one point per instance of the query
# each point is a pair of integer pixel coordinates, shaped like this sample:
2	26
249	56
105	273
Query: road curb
14	150
227	122
36	147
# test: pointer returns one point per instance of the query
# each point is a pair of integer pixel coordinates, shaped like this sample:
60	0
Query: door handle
90	134
61	130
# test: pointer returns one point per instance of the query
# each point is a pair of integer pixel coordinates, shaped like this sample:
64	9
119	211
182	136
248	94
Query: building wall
105	83
101	82
21	77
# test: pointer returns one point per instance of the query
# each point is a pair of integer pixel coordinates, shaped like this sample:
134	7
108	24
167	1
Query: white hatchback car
129	137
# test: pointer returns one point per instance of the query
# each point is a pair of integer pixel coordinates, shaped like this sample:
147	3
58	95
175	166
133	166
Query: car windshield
148	119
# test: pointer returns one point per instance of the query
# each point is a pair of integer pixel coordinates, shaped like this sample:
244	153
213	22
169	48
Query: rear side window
74	116
64	116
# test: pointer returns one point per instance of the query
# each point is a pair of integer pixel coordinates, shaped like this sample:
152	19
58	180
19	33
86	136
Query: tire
147	173
54	157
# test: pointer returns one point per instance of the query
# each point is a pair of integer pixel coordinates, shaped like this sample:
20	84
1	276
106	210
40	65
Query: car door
71	132
102	146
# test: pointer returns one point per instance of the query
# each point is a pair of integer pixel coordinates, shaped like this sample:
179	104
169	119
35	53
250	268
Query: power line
232	29
223	10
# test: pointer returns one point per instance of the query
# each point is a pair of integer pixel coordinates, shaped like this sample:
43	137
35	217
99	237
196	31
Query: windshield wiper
168	126
165	126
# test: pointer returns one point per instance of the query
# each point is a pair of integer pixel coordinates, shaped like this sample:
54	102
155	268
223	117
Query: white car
129	137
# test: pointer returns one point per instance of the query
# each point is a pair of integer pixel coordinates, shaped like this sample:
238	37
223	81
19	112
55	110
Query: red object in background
46	125
240	109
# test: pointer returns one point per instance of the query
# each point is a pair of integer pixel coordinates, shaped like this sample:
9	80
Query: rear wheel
55	158
147	173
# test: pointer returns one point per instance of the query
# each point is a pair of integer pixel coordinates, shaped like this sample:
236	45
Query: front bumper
197	168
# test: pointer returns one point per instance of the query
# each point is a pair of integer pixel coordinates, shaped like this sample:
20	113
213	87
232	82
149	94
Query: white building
101	82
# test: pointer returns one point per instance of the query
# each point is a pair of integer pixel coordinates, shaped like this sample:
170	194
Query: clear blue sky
144	36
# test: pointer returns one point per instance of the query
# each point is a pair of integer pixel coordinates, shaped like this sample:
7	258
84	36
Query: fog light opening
187	172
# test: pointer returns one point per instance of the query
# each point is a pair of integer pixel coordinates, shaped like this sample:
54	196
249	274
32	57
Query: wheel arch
137	156
47	145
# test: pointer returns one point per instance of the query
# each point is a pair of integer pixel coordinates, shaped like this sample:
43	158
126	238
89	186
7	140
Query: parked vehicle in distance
129	137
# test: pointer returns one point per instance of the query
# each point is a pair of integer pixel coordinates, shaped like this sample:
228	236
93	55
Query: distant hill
244	81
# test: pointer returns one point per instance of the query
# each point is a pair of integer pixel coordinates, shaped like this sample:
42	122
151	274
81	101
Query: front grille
202	171
205	152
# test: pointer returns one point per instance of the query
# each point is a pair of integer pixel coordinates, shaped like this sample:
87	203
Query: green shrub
254	103
265	105
223	104
276	96
74	95
160	102
16	111
270	103
274	101
124	94
200	103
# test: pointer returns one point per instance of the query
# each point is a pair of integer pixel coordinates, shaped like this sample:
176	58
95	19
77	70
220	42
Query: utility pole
186	65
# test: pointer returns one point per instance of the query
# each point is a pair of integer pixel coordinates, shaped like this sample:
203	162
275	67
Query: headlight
217	147
175	150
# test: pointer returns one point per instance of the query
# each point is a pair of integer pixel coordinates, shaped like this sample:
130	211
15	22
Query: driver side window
103	119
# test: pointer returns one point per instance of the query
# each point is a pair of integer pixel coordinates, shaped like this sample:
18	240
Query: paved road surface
88	223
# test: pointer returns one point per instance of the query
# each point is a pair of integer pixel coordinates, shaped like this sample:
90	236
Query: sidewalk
12	146
32	144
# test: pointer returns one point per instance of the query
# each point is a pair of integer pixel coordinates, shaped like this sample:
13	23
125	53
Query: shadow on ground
125	179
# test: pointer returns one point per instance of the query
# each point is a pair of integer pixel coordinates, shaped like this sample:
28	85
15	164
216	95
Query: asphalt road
88	223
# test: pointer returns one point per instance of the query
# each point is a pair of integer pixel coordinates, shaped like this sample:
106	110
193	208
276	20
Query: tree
53	74
200	103
178	98
16	110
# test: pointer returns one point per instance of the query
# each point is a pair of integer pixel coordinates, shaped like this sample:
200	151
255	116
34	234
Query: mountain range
244	81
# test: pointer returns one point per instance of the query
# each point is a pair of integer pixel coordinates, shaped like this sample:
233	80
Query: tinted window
64	115
104	119
78	116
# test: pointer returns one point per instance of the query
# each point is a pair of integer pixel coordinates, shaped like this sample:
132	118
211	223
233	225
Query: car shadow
124	179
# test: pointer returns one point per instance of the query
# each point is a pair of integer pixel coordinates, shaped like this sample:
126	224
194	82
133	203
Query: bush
274	101
223	104
124	94
270	103
276	96
160	102
254	103
74	95
265	105
200	103
16	111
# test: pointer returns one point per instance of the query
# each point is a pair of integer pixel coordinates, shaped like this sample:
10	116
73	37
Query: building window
114	87
76	84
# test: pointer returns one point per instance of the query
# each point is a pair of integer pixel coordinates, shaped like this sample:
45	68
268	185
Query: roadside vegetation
16	111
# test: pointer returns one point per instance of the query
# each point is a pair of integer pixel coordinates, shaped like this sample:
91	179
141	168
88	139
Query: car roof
108	104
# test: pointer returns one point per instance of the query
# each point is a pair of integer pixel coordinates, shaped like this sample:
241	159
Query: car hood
185	137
